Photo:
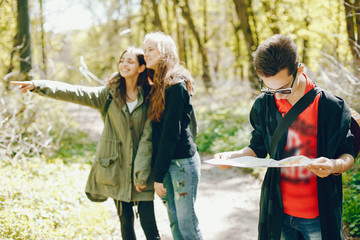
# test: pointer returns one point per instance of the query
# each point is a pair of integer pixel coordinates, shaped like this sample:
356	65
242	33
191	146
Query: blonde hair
168	71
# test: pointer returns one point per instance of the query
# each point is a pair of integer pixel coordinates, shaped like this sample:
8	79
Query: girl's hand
159	189
321	167
139	188
24	86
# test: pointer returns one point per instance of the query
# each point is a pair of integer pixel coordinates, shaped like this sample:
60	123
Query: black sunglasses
281	91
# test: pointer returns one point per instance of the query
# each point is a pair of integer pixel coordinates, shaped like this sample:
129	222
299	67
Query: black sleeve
171	127
334	127
257	141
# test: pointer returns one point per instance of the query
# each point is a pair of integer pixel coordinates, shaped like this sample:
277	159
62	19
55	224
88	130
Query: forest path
227	205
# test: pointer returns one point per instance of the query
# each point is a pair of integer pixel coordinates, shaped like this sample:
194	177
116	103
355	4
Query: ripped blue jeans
181	183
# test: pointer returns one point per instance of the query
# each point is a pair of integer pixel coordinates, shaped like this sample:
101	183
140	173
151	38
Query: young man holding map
303	201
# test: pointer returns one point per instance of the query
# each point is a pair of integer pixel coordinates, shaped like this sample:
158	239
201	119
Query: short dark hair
275	54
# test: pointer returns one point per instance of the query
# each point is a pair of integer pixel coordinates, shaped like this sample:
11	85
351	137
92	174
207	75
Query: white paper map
295	161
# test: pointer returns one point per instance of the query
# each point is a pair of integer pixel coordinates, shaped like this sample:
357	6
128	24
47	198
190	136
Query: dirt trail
228	200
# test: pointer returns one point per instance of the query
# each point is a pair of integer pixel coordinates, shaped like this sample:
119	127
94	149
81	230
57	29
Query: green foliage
47	201
351	207
8	33
32	126
222	130
223	117
76	147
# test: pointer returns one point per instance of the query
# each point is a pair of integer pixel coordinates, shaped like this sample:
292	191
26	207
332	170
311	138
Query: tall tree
305	57
185	10
205	11
352	17
244	16
43	65
8	41
236	26
169	13
128	18
23	40
157	20
270	12
180	33
306	24
144	11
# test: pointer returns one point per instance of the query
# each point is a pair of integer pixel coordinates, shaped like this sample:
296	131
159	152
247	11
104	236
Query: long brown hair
117	78
168	71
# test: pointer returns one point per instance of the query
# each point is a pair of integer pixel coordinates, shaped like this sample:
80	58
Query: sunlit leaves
47	201
351	208
7	31
223	117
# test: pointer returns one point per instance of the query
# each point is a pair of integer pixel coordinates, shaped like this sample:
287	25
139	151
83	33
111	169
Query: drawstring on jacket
136	204
119	207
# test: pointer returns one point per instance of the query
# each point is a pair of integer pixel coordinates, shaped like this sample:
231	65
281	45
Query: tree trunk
236	27
251	16
190	56
251	43
185	10
272	15
357	20
23	41
305	58
352	17
144	21
43	65
128	20
180	38
168	16
157	19
205	37
338	28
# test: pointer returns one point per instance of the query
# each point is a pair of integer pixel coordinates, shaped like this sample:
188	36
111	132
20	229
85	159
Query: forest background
216	42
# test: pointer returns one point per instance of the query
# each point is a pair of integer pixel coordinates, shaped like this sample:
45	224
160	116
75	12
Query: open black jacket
333	139
172	137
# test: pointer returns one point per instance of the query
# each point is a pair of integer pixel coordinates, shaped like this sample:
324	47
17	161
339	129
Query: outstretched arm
94	97
234	154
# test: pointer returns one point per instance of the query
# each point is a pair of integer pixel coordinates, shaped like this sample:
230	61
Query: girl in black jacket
177	162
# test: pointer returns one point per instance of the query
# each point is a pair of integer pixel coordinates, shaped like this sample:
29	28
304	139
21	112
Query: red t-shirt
299	185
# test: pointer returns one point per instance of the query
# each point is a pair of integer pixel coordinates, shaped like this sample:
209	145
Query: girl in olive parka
122	169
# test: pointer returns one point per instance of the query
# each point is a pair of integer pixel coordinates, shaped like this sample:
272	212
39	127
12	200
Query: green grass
351	208
46	201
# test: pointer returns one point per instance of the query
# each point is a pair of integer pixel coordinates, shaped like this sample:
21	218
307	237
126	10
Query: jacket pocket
107	167
107	162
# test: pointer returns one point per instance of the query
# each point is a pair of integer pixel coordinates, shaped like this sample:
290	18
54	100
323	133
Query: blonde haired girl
177	162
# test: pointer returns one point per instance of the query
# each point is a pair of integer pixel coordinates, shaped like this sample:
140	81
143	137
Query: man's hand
234	154
223	156
24	86
322	167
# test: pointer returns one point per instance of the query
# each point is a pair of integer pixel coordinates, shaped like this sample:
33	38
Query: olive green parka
123	154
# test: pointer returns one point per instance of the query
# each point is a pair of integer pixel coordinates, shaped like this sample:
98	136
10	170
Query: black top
171	136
